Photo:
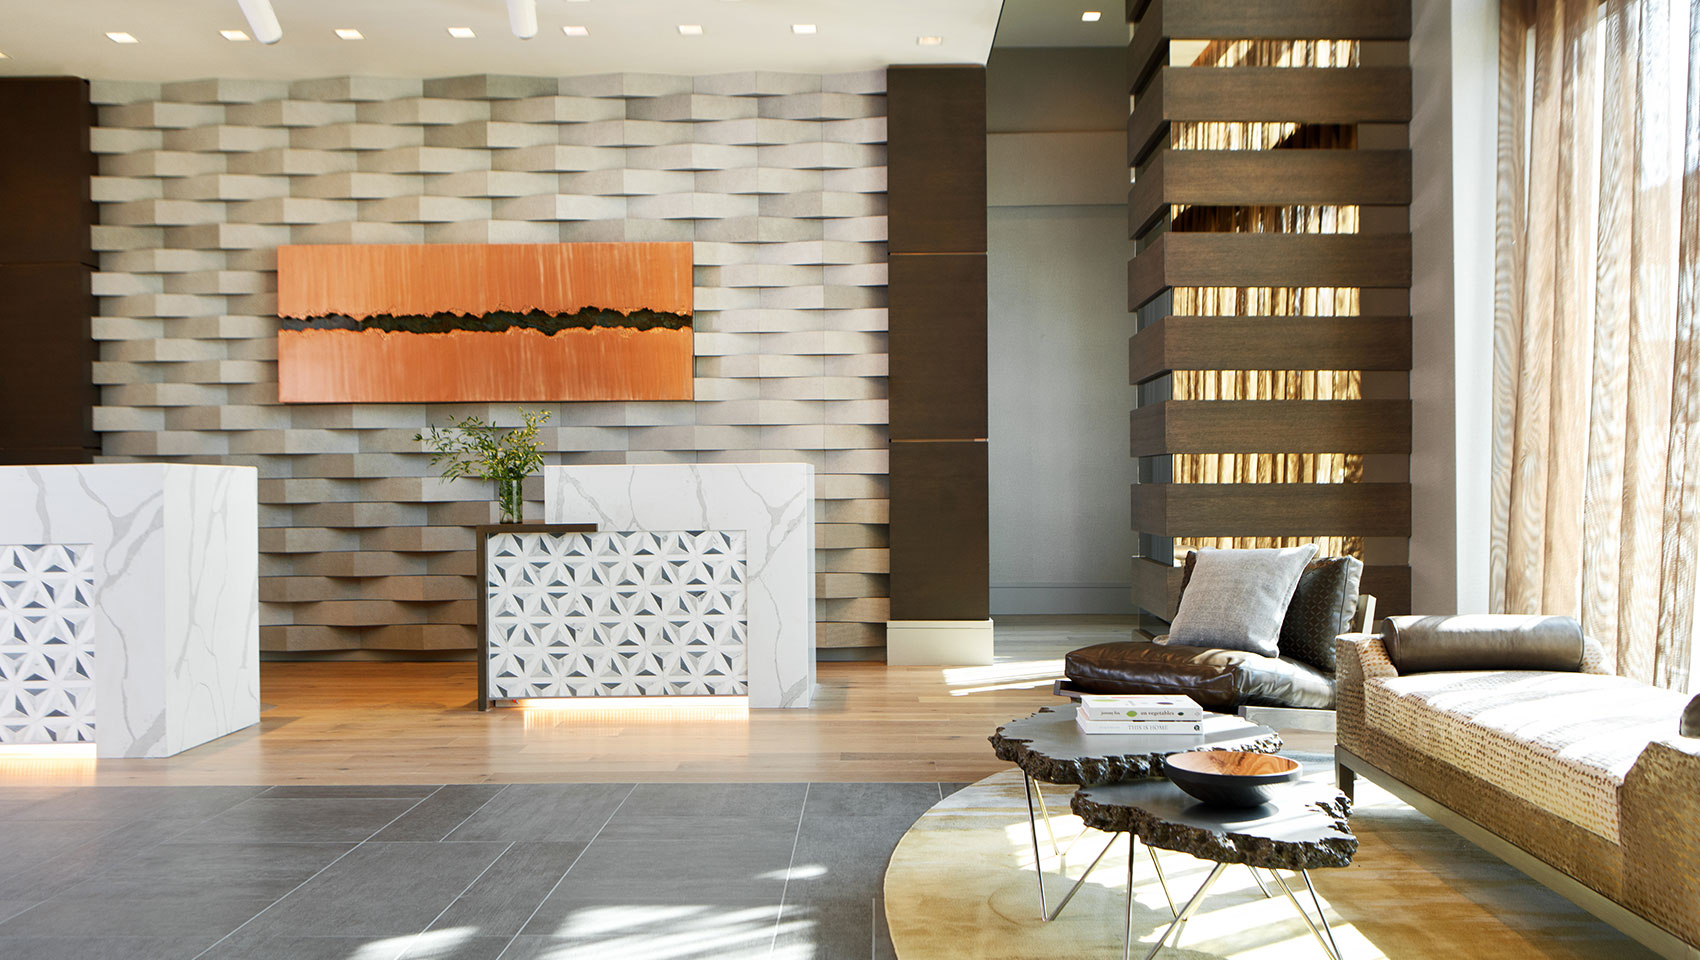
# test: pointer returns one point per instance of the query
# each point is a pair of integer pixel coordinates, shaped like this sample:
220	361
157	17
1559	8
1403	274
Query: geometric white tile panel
47	643
651	613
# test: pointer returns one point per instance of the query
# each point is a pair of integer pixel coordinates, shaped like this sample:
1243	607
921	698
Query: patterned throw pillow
1322	608
1239	599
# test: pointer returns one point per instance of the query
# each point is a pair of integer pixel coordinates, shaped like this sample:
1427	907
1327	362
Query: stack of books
1139	715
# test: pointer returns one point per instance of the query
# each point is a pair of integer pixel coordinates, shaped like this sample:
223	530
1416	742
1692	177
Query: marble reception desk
698	581
129	605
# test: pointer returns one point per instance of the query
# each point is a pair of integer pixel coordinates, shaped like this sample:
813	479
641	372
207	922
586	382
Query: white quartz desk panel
771	504
129	605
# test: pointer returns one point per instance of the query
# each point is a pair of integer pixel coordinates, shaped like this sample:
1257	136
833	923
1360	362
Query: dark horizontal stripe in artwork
497	321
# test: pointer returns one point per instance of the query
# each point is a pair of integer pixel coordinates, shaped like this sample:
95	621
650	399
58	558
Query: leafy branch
469	447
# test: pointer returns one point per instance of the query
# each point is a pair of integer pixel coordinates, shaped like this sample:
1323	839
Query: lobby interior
930	339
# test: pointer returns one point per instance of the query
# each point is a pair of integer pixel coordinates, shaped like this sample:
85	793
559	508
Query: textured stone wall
778	179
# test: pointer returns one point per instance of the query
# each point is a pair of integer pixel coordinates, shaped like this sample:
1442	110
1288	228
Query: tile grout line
539	908
504	789
873	928
414	940
790	865
315	875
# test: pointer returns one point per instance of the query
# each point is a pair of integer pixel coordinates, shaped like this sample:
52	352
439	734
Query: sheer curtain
1596	470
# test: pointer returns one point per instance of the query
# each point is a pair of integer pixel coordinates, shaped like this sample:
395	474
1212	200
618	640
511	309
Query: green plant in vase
469	447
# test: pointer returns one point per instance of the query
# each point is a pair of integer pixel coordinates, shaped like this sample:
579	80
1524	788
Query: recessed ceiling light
691	29
122	38
1090	16
348	34
576	31
929	41
802	28
462	33
234	35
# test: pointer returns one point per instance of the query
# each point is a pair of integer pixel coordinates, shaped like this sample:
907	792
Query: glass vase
510	497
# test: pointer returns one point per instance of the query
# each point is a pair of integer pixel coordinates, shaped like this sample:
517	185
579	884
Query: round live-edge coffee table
1302	828
1050	748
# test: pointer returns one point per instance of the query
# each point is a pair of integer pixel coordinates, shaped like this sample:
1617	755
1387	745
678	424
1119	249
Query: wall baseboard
914	643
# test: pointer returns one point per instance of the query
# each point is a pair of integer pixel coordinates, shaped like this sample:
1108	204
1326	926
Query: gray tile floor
457	872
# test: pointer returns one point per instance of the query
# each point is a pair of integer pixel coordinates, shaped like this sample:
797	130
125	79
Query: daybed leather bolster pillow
1483	642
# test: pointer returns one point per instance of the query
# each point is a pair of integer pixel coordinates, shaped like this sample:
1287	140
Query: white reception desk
129	605
700	580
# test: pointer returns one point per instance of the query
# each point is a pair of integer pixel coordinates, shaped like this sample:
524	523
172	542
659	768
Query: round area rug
960	885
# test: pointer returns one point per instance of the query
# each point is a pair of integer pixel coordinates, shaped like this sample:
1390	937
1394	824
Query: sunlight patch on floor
694	931
430	945
1011	675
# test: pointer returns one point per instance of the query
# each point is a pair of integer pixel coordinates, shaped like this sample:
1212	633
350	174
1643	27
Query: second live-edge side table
1302	828
484	533
1049	748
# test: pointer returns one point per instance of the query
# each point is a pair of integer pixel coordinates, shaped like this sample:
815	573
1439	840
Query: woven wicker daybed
1512	732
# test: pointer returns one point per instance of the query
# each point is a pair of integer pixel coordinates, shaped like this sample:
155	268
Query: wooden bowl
1230	778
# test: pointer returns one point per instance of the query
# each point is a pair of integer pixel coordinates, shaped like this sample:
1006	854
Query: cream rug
960	885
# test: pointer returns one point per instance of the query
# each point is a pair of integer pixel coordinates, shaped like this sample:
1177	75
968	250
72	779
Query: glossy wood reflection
360	723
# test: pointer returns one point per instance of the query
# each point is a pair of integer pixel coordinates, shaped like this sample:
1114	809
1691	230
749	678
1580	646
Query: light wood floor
393	723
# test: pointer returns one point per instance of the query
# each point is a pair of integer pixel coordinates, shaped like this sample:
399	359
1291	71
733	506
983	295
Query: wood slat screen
1271	184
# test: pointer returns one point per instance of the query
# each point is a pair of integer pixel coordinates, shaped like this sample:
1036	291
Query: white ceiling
180	38
1057	23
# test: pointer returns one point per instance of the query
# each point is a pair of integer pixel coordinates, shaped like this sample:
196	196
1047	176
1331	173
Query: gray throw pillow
1236	599
1322	608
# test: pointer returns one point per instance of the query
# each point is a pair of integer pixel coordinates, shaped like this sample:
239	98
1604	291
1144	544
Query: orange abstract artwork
446	323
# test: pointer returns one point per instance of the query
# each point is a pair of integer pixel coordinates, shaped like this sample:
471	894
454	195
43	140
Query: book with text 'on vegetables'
1095	706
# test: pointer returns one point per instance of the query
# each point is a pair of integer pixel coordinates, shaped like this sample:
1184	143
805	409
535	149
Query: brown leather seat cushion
1220	680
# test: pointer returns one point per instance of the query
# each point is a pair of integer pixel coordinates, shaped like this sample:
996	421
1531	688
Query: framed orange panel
445	323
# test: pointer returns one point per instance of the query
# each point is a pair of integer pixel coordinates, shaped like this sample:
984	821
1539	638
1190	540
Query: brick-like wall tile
778	180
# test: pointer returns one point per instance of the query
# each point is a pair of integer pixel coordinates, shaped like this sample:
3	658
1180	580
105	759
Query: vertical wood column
1270	206
940	563
47	263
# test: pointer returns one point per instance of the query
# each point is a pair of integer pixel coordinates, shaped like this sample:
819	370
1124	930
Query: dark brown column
1241	130
47	354
936	157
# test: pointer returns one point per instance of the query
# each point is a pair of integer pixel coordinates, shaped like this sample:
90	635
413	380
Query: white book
1161	728
1095	706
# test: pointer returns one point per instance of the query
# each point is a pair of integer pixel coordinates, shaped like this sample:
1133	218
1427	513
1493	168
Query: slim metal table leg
1161	880
1082	881
1046	813
1306	916
1267	893
1320	915
1038	862
1127	931
1072	843
1187	910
